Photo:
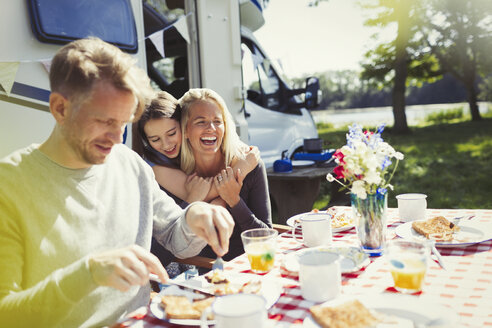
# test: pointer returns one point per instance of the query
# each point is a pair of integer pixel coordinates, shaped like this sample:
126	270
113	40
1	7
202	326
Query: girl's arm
249	162
189	189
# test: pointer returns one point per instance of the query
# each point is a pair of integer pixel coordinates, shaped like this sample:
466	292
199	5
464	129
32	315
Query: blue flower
386	163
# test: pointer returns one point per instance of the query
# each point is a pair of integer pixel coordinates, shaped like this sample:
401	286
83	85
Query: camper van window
60	22
261	81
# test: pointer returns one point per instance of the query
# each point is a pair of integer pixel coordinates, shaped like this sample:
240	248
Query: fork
218	264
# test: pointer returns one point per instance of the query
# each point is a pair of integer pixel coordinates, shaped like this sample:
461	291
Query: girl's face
205	127
164	135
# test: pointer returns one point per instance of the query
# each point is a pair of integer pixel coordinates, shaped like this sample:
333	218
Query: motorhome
181	43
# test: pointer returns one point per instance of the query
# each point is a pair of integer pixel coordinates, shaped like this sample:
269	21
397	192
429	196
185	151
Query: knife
437	254
154	277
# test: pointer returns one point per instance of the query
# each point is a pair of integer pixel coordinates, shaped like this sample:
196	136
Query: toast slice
437	228
350	314
179	307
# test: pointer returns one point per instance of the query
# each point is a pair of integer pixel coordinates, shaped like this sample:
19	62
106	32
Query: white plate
299	163
292	220
469	234
270	290
352	258
407	310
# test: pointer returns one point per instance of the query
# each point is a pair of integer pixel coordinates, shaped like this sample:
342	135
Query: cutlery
218	264
154	277
456	221
437	254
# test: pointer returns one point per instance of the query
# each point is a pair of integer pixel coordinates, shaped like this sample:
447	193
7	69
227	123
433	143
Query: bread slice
179	307
437	228
350	314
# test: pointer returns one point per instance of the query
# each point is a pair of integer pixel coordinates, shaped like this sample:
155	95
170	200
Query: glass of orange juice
408	264
259	245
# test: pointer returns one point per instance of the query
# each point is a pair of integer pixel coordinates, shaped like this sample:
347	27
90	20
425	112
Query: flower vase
370	221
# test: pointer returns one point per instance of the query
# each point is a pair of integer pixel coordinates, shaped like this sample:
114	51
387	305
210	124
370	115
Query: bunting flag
182	28
157	39
8	70
46	64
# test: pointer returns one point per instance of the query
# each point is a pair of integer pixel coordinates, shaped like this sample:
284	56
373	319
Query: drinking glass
408	264
259	245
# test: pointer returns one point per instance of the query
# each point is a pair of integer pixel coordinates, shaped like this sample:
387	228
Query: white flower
372	177
330	177
399	156
358	189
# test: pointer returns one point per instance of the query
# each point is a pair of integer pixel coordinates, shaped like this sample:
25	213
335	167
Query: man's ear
59	107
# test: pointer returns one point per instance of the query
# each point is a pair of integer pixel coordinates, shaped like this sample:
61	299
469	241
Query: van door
276	119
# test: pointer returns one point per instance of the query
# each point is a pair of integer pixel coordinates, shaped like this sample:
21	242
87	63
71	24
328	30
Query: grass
450	161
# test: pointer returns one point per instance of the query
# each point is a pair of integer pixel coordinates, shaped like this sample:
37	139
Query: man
77	212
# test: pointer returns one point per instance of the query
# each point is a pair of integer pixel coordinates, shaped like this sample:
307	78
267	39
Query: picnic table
295	192
466	286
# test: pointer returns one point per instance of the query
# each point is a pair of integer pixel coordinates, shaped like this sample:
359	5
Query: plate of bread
339	222
185	307
379	311
444	232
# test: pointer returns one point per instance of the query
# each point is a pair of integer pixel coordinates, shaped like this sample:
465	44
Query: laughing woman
210	143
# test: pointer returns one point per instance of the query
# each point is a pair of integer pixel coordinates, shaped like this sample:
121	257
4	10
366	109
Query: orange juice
408	274
261	256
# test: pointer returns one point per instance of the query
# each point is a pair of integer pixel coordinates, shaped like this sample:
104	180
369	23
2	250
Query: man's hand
212	223
125	267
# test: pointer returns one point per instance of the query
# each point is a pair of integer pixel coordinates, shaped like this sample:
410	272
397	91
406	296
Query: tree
388	62
459	34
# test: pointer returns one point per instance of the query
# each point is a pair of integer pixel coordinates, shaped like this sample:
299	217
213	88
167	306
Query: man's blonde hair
230	144
79	64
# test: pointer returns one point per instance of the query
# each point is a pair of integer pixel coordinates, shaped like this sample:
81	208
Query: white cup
316	229
319	275
238	311
411	207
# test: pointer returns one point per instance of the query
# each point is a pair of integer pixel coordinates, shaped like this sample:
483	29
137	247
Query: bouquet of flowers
364	162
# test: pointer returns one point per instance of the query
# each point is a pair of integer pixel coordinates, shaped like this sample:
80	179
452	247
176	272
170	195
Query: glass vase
370	221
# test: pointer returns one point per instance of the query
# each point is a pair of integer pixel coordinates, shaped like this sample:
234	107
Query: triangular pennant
46	65
8	70
157	39
182	28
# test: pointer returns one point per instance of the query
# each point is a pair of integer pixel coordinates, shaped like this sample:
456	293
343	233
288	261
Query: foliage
445	116
448	162
459	34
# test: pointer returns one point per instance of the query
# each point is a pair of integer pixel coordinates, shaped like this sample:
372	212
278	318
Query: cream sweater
52	217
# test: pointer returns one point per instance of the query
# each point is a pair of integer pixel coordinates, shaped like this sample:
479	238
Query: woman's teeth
208	140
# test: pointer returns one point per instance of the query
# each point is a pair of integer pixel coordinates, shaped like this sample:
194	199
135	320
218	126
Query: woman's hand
197	188
252	157
218	201
229	185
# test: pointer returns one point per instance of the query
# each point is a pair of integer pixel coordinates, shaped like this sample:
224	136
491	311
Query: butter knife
437	254
187	287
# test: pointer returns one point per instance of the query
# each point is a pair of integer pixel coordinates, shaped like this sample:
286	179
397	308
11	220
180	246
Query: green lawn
450	162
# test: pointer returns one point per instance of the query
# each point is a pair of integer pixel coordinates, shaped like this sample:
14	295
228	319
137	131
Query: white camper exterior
221	53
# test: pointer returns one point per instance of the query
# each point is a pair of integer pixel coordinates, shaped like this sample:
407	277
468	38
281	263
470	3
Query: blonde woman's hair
231	145
78	65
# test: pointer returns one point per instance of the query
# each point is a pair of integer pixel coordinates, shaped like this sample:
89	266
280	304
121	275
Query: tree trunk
471	96
401	70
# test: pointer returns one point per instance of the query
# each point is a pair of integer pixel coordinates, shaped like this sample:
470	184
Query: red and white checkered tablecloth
466	286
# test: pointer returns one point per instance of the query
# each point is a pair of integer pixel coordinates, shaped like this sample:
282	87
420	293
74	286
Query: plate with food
187	309
351	258
339	222
444	232
380	311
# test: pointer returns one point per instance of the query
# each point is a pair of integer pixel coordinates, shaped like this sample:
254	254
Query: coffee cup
319	275
238	311
411	206
316	229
